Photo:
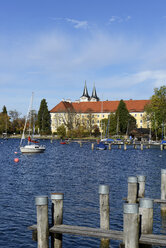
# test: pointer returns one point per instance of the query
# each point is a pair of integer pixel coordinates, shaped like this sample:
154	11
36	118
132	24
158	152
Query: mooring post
104	212
42	221
57	202
125	146
146	214
142	146
131	225
92	146
135	146
109	146
132	189
141	186
119	146
161	147
80	144
163	189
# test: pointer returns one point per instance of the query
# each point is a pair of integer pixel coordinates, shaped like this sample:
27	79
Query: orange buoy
16	160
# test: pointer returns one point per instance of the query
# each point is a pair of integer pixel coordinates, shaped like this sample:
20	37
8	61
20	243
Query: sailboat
32	146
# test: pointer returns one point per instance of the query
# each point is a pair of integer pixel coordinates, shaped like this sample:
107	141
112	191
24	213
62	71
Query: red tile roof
97	107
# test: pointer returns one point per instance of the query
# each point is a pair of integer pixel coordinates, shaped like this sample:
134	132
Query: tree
4	110
44	120
156	109
61	131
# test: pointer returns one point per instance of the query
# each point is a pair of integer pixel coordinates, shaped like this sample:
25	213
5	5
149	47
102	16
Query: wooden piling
146	212
109	146
42	221
92	146
163	188
135	146
119	146
161	147
142	146
80	144
125	146
104	212
141	186
57	201
132	189
131	225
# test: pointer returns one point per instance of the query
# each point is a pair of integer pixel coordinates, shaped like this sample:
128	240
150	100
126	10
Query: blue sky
51	47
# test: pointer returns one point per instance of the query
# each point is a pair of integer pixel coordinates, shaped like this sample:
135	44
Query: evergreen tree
125	122
4	110
44	120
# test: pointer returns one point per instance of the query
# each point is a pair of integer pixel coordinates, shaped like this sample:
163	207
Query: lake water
77	172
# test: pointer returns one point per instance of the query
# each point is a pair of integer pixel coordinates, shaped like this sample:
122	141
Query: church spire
85	96
94	96
85	92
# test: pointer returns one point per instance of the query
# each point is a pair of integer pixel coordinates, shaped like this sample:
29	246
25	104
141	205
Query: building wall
58	119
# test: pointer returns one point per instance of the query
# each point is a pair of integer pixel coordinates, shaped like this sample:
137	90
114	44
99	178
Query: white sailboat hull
32	149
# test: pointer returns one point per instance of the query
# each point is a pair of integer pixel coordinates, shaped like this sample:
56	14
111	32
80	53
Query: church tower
85	96
94	97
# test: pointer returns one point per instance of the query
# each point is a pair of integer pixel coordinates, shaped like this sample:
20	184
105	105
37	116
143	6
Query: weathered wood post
132	189
104	212
141	186
125	146
42	221
92	146
57	202
80	144
119	146
161	147
163	189
131	225
135	146
142	146
146	212
109	146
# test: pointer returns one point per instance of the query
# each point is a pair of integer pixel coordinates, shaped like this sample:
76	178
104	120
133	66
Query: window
135	115
140	121
103	116
140	114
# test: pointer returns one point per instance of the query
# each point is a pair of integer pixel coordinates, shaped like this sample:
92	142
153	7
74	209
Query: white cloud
77	23
119	19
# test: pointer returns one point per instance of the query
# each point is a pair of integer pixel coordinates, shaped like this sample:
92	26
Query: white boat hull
32	149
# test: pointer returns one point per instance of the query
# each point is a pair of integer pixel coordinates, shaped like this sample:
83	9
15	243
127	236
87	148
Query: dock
137	218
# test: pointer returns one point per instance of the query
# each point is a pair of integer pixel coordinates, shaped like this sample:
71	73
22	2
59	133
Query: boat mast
26	120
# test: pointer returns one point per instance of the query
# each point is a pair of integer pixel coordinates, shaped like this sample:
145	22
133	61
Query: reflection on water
77	172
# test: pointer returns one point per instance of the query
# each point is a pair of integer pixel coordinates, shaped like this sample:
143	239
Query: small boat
63	143
32	146
101	146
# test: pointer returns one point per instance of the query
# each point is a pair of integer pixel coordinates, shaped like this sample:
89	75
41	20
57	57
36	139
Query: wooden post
125	146
92	146
80	144
142	146
131	225
132	190
161	147
119	146
146	212
163	188
104	212
57	202
109	146
135	146
42	221
141	186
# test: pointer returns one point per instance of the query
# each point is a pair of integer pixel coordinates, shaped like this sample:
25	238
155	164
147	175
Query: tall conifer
44	120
